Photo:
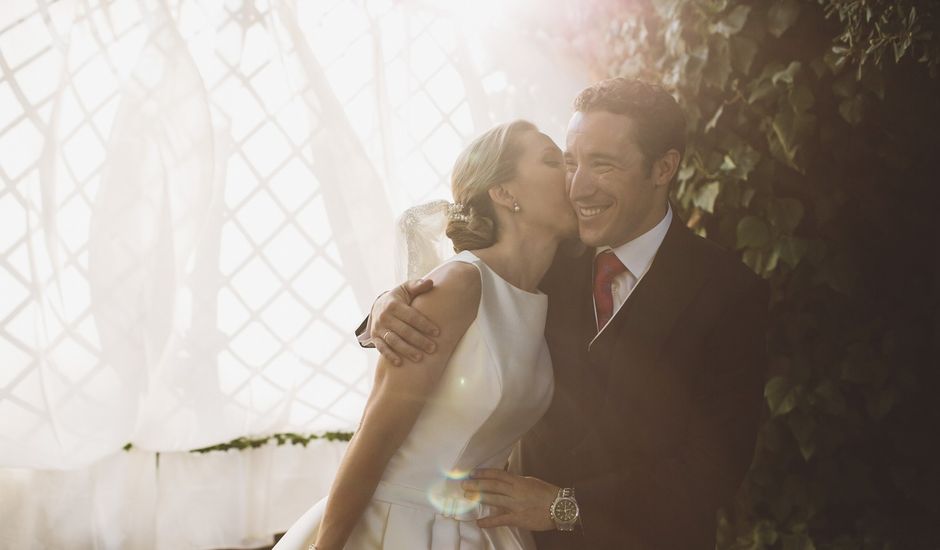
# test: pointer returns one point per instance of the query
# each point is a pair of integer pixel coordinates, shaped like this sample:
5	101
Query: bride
428	425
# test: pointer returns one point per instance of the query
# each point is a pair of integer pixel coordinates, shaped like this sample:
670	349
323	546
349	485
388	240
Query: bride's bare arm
397	397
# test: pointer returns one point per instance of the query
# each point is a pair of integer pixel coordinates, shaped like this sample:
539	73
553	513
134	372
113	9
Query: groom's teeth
587	212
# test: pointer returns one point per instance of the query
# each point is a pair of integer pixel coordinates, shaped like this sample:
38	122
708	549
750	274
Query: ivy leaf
727	165
780	397
845	86
783	126
801	98
787	75
744	159
770	437
792	250
747	196
803	428
761	89
839	273
764	534
851	109
793	496
718	67
743	50
714	120
762	86
705	196
754	259
785	214
835	61
781	16
791	130
819	68
861	370
694	64
832	399
799	541
772	260
753	232
667	9
733	22
900	48
875	83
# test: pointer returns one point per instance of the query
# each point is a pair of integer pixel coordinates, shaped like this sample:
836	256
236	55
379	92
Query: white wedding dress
497	384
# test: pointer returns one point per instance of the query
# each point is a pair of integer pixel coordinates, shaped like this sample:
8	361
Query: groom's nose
580	184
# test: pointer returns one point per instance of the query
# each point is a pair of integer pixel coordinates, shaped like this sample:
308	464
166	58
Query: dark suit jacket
654	424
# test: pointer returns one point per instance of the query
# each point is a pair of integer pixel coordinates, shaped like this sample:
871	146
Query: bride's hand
399	329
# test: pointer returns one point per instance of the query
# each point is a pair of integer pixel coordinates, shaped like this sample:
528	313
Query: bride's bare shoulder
456	291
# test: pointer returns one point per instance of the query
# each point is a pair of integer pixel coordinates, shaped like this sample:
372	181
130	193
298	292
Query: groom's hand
524	501
397	329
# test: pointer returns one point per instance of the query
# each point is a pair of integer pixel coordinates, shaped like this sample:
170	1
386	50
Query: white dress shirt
637	255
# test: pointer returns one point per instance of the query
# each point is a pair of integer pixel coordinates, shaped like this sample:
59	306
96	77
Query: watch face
566	510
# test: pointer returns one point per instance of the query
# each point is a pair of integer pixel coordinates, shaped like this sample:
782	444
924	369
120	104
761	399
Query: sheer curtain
197	208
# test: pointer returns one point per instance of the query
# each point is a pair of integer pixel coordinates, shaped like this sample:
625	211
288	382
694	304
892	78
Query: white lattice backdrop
198	201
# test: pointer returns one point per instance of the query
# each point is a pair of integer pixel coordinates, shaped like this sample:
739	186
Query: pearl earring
515	206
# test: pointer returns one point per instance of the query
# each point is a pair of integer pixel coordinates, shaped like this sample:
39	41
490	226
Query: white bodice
496	386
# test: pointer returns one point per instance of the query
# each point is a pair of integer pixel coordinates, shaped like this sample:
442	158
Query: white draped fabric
198	205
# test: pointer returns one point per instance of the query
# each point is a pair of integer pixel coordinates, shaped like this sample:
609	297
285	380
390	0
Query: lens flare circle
447	496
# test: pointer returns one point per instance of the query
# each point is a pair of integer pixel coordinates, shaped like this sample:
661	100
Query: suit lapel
642	324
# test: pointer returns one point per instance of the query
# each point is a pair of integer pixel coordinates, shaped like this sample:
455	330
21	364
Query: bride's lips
588	212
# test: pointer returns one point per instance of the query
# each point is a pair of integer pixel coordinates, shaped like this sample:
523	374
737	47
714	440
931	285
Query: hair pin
457	211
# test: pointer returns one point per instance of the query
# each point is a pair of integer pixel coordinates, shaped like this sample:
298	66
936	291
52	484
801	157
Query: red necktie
606	267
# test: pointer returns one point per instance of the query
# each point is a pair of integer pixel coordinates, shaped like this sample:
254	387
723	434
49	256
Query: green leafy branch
873	29
243	443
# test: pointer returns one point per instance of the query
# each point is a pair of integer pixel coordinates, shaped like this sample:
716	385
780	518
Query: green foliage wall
813	151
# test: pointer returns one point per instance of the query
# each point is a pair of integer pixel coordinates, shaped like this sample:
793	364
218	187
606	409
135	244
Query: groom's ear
501	197
665	167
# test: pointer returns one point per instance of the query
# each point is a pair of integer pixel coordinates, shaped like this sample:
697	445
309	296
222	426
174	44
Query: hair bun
471	231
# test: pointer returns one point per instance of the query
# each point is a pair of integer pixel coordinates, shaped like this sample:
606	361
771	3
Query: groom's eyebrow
603	156
596	156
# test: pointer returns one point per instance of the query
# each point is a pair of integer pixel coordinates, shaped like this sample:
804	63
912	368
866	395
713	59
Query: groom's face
609	183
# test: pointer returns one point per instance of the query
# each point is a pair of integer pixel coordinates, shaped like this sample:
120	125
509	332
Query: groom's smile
591	211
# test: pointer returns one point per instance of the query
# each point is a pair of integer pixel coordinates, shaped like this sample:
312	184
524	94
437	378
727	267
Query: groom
657	339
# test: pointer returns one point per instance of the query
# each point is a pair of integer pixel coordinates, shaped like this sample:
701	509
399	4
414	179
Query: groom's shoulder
725	264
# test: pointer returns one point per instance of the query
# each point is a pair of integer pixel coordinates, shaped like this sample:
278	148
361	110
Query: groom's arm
396	328
671	496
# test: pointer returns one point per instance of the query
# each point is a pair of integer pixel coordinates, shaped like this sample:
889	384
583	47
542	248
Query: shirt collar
638	254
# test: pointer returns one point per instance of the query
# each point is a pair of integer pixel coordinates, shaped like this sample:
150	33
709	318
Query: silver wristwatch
564	510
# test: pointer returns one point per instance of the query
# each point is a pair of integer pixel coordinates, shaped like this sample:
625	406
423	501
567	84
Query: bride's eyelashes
553	161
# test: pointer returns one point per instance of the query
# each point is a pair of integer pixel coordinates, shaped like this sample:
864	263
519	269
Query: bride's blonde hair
488	161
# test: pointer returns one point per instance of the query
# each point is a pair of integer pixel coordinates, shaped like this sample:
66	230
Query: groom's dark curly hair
659	121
